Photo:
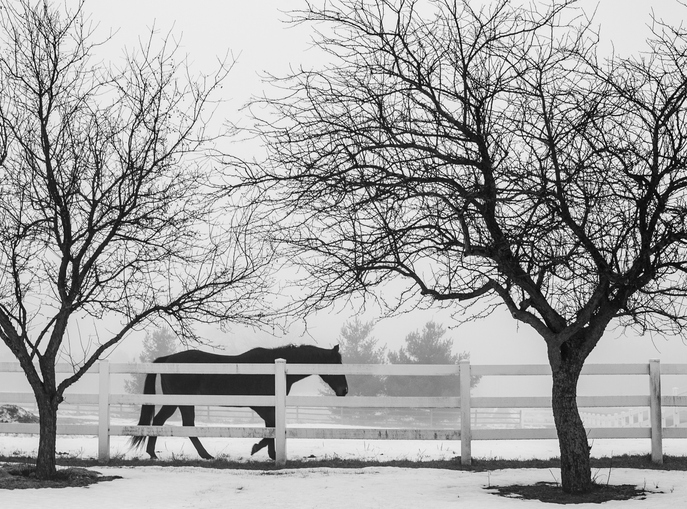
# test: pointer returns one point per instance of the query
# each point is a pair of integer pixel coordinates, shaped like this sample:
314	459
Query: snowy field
372	487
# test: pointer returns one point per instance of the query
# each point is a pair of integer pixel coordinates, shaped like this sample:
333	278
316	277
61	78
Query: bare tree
107	209
490	156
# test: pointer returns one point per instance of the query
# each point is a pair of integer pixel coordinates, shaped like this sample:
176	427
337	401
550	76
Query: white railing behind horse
461	431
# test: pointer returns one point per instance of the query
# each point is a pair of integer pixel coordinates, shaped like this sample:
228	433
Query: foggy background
255	35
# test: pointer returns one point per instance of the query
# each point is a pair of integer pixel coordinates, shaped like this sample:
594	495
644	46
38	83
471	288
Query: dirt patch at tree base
552	493
21	477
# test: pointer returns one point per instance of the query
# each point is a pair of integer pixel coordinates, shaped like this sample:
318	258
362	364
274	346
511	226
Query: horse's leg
267	414
271	452
188	415
162	415
259	446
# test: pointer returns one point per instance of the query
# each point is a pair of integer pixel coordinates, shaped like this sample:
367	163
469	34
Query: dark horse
215	384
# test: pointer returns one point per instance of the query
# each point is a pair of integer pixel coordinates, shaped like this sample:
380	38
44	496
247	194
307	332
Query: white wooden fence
462	430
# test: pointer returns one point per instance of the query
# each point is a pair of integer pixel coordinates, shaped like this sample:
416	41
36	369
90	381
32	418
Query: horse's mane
291	347
309	350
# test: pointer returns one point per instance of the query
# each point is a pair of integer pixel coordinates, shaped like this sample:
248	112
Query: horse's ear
336	348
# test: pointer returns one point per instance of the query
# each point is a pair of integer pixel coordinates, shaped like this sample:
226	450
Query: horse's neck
292	379
297	358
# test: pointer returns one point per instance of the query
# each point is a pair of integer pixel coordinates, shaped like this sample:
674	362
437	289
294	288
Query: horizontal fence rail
464	408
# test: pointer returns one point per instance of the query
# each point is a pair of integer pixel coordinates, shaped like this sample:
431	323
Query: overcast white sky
254	32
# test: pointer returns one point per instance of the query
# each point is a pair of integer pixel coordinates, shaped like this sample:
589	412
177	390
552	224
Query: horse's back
195	356
259	355
214	384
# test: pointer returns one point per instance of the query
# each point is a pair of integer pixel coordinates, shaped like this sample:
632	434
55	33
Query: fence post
465	431
280	411
104	411
655	411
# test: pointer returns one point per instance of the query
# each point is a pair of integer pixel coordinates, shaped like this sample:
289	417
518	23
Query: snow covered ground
372	487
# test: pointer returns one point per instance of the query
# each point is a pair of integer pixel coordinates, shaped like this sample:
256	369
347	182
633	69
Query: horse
231	384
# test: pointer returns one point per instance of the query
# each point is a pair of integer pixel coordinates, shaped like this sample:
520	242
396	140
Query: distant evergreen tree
359	347
158	344
426	347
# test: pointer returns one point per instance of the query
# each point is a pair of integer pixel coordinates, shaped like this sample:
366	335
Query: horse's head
338	383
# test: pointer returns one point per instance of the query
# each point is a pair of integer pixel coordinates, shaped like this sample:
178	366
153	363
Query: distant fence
463	406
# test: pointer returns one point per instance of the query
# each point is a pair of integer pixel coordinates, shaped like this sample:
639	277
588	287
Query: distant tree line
426	346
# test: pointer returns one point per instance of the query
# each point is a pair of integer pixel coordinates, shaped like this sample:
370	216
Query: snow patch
14	413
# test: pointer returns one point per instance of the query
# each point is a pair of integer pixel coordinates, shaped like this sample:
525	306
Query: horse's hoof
208	457
255	449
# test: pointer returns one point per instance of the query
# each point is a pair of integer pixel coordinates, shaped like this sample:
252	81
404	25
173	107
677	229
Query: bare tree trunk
572	437
46	467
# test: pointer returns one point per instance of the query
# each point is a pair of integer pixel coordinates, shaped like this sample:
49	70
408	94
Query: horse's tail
147	411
